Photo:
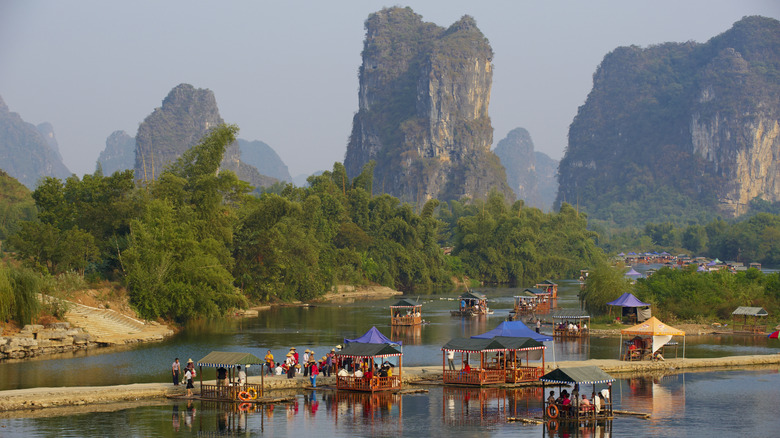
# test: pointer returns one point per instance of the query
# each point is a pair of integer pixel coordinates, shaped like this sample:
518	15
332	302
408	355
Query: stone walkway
110	327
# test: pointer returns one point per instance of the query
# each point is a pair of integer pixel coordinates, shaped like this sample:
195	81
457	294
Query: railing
406	320
579	413
474	377
751	328
220	392
376	383
524	374
566	333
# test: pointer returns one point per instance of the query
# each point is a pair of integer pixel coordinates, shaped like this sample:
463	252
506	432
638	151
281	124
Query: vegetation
689	295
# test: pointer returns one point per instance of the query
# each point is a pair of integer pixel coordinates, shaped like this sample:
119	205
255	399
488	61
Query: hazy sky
286	72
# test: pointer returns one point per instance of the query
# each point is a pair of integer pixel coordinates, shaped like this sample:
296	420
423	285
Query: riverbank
12	402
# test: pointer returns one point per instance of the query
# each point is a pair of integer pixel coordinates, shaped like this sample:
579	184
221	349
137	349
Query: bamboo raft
524	420
644	415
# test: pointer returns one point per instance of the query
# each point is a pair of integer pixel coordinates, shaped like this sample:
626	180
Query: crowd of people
572	328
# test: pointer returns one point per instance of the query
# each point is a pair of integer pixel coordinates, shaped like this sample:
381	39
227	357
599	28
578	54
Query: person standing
451	359
221	378
241	376
188	376
175	370
538	325
269	361
306	363
314	372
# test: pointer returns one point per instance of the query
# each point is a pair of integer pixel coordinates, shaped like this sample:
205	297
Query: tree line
197	242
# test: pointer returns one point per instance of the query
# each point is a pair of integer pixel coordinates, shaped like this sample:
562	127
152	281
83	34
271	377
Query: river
721	403
321	328
718	404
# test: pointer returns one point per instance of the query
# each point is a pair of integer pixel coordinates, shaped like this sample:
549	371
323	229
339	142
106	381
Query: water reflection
735	403
485	406
408	335
321	328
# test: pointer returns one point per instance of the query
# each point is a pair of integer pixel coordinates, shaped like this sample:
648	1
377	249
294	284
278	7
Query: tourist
551	398
241	376
331	362
295	355
269	360
221	378
291	370
466	367
358	373
538	325
451	359
306	362
188	377
597	402
585	403
314	372
343	372
175	370
278	369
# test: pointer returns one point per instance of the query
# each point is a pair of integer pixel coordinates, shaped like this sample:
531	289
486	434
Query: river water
717	404
690	404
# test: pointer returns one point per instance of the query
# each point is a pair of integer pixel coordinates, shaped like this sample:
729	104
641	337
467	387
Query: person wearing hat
295	354
306	362
330	362
314	371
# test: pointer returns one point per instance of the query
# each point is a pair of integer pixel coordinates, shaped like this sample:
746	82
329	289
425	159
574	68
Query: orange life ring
244	407
552	426
552	411
252	393
244	396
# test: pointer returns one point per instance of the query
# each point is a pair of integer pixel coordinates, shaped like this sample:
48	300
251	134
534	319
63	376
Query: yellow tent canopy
660	333
652	327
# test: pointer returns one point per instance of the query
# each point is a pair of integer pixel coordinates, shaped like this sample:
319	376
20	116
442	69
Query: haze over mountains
674	132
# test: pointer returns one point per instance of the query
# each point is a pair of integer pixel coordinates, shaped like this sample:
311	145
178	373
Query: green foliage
520	245
16	206
18	294
686	294
605	283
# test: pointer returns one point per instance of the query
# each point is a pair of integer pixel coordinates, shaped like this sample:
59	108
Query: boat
472	303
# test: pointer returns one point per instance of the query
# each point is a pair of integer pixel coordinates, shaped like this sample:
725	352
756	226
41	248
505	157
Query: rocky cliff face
423	109
187	114
119	153
546	179
674	131
25	153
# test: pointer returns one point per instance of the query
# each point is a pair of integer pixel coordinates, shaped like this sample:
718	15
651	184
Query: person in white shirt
241	376
278	369
358	373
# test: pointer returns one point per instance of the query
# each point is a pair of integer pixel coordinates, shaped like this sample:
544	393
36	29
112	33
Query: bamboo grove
197	242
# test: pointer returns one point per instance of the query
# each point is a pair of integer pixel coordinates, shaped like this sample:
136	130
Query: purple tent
627	300
513	329
372	336
633	274
701	269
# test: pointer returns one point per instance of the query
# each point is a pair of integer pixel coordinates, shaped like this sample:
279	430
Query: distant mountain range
28	153
531	175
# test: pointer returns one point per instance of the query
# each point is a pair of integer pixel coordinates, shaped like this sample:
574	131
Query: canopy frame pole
683	347
620	351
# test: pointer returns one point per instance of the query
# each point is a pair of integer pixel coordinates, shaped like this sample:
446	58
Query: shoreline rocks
36	340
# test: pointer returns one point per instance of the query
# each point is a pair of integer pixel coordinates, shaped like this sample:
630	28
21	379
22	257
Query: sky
287	72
